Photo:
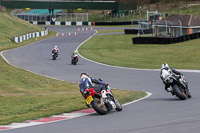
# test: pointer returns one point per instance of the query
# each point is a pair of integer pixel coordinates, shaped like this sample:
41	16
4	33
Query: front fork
184	86
106	98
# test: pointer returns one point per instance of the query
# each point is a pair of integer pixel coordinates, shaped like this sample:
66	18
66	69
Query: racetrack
160	113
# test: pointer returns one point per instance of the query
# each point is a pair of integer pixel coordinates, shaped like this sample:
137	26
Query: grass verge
118	50
44	102
24	95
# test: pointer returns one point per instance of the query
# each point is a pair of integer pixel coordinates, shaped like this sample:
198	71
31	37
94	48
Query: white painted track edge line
134	101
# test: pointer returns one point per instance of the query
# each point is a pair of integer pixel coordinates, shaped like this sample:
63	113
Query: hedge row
135	31
164	40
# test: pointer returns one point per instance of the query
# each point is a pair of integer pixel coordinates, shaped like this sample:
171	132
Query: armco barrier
85	23
28	36
61	23
164	40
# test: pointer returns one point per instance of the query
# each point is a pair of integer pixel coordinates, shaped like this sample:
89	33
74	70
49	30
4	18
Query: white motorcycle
178	85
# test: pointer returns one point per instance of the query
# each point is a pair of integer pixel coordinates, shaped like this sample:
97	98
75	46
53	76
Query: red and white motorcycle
102	102
54	54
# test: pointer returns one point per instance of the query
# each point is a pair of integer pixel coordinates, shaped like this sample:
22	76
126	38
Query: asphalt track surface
160	113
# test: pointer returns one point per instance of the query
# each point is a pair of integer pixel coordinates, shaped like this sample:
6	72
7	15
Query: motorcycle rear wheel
180	94
98	107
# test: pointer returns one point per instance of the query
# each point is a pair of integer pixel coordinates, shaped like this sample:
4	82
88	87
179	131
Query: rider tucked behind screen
75	53
55	49
165	66
87	82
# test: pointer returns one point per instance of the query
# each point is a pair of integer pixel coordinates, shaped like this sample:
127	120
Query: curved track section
160	113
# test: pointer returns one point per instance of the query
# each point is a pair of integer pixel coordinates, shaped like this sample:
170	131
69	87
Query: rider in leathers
55	49
87	82
166	67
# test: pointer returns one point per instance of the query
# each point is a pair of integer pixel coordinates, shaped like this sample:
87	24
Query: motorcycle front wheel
54	57
98	107
118	105
179	92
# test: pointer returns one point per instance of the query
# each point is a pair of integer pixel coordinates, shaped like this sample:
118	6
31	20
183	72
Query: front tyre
189	94
54	57
118	105
179	92
98	107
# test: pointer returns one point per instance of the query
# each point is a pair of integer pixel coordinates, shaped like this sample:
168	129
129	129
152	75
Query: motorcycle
54	54
74	59
178	85
103	101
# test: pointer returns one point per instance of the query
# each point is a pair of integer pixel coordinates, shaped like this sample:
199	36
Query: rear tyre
178	92
100	109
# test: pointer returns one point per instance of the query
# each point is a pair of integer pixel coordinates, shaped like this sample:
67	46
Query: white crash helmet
84	75
56	46
164	65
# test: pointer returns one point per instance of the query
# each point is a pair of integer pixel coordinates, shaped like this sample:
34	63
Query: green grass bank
118	50
24	95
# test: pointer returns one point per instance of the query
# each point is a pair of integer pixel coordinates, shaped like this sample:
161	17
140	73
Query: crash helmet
84	75
56	48
164	65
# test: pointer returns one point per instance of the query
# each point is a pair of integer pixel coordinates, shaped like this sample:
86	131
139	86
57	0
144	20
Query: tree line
157	2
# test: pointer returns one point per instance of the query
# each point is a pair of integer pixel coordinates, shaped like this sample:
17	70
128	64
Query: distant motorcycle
54	54
74	59
102	102
178	85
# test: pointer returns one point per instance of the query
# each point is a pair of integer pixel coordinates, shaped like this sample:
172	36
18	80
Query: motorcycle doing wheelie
103	101
178	86
54	54
74	59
